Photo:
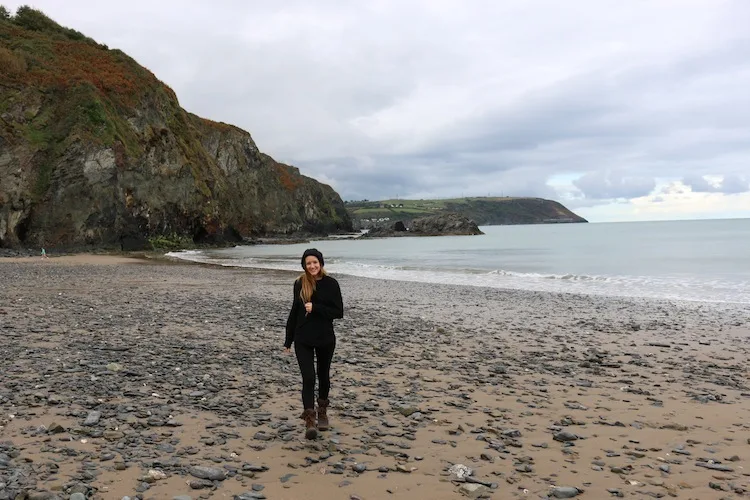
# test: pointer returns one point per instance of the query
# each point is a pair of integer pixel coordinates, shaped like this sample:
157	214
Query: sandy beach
140	378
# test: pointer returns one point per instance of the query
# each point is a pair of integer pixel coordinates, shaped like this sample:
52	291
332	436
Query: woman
317	302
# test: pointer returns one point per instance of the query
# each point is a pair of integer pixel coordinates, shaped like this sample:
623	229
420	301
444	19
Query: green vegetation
36	20
170	242
482	210
67	96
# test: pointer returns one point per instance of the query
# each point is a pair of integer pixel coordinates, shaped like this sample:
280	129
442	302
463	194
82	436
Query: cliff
96	151
483	211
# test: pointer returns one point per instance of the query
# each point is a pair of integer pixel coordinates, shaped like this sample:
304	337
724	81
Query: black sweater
316	328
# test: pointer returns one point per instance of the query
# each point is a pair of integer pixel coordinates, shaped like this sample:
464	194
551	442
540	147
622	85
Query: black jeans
306	355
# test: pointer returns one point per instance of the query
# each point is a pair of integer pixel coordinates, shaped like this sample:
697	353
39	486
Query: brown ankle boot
311	432
322	415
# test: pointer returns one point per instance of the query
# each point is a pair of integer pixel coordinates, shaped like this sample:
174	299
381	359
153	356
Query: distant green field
437	203
482	210
396	208
386	212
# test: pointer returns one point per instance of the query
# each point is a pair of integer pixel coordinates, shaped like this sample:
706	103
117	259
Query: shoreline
184	365
160	257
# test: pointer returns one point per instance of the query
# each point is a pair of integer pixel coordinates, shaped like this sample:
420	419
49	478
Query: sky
620	110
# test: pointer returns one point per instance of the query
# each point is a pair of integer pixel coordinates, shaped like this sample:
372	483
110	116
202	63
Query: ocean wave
656	287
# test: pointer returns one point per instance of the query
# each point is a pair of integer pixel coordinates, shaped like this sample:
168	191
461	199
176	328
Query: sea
688	260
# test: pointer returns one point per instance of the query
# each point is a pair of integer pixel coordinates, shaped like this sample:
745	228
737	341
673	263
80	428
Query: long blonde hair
309	284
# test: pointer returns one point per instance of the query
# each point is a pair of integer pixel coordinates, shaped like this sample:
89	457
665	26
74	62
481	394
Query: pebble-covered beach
131	378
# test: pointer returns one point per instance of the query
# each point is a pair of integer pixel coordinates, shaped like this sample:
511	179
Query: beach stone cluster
160	380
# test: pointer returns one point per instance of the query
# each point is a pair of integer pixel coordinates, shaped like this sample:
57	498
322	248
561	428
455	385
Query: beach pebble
565	492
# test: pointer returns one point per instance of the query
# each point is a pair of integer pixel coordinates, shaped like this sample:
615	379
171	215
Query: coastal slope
96	151
484	211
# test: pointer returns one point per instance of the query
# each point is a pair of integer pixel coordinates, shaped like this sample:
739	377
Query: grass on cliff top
52	57
425	205
87	89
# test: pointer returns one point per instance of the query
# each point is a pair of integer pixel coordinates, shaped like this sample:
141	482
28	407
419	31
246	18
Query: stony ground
154	380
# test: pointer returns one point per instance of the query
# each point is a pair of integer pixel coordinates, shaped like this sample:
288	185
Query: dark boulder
444	224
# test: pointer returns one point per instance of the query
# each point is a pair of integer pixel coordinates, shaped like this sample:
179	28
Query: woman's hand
287	350
308	307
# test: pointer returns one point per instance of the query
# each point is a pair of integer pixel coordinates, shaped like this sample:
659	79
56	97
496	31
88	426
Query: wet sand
180	373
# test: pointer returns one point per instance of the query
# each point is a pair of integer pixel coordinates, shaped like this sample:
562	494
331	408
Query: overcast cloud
608	106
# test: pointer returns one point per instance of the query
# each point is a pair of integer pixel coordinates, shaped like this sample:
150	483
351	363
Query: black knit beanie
315	253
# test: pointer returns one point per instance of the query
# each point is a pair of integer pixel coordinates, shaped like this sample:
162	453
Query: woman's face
312	265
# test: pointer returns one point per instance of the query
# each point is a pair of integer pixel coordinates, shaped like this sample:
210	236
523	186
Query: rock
211	473
113	435
408	411
461	471
157	475
41	495
443	224
471	490
565	492
77	496
250	495
565	437
55	429
675	427
92	418
199	484
714	466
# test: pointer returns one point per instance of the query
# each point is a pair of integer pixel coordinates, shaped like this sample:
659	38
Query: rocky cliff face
94	150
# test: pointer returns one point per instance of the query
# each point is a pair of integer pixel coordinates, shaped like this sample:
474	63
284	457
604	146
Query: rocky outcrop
444	224
95	151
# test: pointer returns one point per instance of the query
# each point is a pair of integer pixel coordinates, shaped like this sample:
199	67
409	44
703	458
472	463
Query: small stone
565	437
92	418
408	411
251	495
113	435
211	473
199	484
157	474
565	492
473	490
55	429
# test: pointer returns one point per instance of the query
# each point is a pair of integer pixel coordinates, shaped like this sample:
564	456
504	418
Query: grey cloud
730	184
613	185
